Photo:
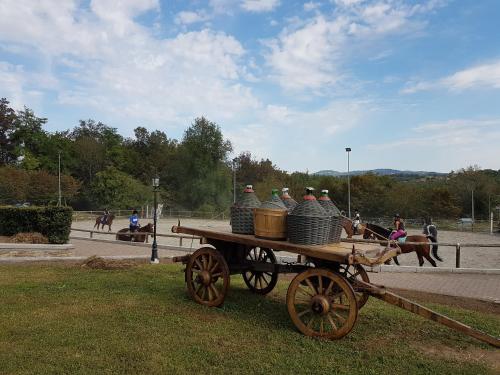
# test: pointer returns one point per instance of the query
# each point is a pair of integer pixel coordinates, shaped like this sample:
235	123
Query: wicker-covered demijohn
309	223
242	212
270	218
287	200
335	218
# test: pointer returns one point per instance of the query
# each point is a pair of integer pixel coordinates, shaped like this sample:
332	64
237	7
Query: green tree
113	188
8	124
202	173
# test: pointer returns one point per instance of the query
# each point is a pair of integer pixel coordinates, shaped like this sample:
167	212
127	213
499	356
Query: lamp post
154	248
235	161
348	150
59	203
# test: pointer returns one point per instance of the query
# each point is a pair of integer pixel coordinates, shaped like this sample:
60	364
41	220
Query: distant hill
381	172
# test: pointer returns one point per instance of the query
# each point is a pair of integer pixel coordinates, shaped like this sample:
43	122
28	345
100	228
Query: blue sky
405	84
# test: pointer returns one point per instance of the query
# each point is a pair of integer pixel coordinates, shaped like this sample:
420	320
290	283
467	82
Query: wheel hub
320	305
204	277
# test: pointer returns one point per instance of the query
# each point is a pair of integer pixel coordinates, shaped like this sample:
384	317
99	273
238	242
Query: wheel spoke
198	290
265	280
329	288
214	289
303	291
216	265
218	274
311	286
260	254
200	266
320	284
310	323
340	317
209	266
340	306
209	290
302	313
330	319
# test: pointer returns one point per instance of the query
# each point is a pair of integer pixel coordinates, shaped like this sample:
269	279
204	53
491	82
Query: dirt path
476	257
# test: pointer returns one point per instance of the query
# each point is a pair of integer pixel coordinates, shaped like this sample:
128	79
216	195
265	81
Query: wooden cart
324	298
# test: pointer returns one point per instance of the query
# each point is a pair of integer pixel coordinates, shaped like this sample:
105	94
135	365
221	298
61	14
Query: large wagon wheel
322	303
353	273
207	277
260	282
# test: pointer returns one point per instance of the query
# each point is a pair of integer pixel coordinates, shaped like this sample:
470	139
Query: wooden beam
427	313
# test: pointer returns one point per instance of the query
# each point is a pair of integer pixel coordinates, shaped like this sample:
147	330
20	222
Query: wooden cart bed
344	253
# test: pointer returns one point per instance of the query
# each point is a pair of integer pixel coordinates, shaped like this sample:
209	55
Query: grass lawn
70	320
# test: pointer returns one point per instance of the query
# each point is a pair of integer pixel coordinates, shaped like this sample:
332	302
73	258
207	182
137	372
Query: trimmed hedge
52	222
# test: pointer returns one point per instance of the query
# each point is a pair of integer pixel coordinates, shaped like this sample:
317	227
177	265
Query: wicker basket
288	201
335	218
242	212
309	223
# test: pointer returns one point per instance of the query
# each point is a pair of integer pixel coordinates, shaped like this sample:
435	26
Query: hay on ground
29	237
98	263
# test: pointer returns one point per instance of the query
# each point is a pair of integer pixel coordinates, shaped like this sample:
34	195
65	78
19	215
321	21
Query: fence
148	213
180	237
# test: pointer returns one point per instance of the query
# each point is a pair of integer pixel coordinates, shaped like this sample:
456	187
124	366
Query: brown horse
108	222
422	251
124	234
347	225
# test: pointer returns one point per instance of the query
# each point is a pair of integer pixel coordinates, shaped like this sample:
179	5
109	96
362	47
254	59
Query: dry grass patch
97	263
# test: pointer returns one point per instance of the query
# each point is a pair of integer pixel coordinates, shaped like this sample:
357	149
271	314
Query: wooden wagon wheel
322	303
353	273
207	277
260	282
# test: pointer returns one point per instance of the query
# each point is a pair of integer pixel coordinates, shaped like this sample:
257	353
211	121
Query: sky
411	85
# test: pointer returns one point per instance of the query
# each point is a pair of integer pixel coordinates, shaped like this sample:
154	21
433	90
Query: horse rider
104	219
134	221
399	226
355	222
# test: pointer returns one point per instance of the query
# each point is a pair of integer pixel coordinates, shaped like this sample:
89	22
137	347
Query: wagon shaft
392	298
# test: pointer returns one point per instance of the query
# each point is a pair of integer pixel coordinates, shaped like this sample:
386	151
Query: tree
112	188
202	173
8	124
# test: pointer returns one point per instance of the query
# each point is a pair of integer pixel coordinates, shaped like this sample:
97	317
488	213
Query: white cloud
187	18
480	76
310	54
310	5
456	136
260	5
104	59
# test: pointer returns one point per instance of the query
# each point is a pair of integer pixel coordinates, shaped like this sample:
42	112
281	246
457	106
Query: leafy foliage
101	169
52	222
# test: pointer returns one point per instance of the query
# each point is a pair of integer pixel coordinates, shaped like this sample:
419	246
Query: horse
108	222
422	251
347	225
125	234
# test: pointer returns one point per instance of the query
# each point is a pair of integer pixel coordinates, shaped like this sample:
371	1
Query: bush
52	222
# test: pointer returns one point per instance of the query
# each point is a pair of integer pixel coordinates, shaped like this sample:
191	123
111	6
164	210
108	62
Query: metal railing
458	246
134	234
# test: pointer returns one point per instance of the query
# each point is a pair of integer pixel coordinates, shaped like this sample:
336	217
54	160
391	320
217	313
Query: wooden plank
427	313
342	253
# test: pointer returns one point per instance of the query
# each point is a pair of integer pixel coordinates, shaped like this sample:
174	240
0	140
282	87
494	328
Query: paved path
485	287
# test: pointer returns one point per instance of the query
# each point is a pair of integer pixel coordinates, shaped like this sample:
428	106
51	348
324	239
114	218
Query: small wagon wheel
322	303
207	277
353	273
260	282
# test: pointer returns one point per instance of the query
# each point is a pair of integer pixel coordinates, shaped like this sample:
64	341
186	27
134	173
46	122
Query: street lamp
348	150
235	164
154	249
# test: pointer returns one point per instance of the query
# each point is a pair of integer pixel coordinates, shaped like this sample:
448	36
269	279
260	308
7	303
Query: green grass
69	320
